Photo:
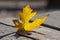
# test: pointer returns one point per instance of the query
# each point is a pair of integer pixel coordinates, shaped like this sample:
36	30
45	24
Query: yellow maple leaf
35	24
26	16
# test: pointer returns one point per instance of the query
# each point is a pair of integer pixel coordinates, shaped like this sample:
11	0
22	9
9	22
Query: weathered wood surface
7	32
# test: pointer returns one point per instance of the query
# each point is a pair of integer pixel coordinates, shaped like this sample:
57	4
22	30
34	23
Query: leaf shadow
17	35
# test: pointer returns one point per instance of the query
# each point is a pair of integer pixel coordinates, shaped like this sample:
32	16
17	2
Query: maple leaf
26	16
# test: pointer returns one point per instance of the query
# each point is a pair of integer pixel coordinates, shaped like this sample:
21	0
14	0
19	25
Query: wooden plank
50	34
45	33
